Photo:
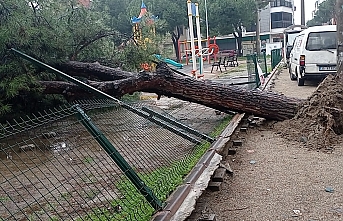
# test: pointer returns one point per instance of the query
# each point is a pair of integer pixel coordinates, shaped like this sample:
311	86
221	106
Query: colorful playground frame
185	49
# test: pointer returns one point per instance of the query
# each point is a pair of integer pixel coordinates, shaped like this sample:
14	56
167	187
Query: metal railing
99	160
96	160
276	57
254	62
281	3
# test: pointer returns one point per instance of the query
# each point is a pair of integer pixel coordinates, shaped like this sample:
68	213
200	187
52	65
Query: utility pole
206	17
339	17
302	12
258	40
259	5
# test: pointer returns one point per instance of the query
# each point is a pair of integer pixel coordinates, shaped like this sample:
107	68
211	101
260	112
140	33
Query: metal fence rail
256	62
276	56
97	161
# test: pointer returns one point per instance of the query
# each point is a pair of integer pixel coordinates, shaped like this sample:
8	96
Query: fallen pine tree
166	82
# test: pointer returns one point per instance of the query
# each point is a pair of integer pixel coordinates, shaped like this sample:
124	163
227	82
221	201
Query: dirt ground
290	170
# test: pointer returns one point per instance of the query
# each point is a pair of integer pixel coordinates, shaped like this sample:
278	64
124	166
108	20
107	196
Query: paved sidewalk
276	178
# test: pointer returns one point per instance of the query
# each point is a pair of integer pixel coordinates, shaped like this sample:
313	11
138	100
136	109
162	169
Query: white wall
271	46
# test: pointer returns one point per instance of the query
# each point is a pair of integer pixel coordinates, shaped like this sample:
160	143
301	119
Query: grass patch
88	159
233	70
220	128
131	97
4	198
65	196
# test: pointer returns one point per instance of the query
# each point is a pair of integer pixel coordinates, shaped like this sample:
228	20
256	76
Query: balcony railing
281	24
281	3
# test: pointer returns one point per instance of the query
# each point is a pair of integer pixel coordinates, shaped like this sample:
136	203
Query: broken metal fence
257	69
97	160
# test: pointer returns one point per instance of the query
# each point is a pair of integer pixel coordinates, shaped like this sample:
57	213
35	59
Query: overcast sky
309	7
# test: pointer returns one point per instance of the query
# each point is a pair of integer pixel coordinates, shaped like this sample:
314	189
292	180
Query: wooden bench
232	61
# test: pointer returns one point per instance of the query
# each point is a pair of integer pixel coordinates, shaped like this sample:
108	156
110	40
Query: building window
281	20
278	3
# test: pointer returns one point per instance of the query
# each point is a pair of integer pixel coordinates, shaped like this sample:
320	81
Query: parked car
313	54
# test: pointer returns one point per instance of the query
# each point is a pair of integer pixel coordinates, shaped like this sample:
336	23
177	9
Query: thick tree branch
93	71
222	97
86	42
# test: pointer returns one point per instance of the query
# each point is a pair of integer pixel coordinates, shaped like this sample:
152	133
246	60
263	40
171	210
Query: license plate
327	68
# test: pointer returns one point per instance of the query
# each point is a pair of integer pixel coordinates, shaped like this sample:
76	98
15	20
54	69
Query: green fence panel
52	166
104	160
276	57
262	61
253	61
252	70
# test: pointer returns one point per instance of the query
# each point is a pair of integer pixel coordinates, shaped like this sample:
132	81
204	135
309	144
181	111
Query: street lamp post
339	17
207	35
258	4
258	41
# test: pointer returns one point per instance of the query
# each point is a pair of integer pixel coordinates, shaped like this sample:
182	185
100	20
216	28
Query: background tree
172	18
326	11
54	32
119	12
229	17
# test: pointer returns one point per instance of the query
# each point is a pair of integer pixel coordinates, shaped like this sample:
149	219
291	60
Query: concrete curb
276	70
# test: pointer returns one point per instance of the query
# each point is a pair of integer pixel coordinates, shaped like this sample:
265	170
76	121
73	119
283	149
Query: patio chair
232	61
217	64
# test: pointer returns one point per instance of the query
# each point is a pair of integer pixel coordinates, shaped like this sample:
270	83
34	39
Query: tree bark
339	17
238	37
93	71
164	81
175	38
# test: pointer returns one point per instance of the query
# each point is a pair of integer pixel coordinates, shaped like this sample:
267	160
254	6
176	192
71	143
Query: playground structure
185	49
169	61
138	23
197	51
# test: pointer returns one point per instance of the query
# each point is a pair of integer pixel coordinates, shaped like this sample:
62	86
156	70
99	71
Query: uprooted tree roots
319	122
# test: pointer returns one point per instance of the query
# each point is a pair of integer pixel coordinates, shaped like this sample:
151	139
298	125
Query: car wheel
301	81
291	75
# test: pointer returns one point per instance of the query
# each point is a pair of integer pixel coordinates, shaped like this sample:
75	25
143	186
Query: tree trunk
339	17
238	38
164	81
175	39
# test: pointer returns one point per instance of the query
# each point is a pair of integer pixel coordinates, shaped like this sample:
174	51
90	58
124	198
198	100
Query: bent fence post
118	159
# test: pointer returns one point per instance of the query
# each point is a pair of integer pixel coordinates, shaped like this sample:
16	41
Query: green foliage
119	16
55	32
326	11
171	14
227	16
132	56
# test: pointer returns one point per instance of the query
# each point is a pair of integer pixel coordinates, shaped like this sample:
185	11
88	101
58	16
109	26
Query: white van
314	54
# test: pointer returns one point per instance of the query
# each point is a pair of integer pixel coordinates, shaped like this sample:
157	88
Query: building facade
275	18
